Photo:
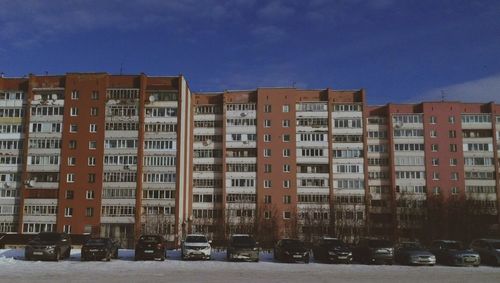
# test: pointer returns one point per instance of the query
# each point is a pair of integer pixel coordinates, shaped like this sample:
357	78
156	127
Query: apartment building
120	155
95	154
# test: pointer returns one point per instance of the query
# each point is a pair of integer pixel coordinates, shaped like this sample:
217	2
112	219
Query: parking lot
13	268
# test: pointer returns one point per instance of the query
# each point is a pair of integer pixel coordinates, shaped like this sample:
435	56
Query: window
453	148
433	133
286	184
267	168
267	138
94	95
452	134
286	138
73	111
286	152
267	214
267	123
75	95
286	108
91	178
287	215
89	212
454	191
453	162
436	191
72	144
71	161
451	119
285	123
70	177
267	199
68	212
89	194
433	120
267	152
92	144
73	128
70	194
286	168
454	176
287	199
435	161
92	128
67	229
434	147
267	184
91	161
267	108
94	111
435	175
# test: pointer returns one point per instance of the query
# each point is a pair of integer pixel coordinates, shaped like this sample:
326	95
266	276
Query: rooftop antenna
293	84
443	95
121	68
46	73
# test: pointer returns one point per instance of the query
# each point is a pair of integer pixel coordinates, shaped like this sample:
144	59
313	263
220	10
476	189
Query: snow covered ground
13	268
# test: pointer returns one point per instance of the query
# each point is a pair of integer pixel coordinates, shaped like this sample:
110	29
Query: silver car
196	246
451	252
412	253
488	249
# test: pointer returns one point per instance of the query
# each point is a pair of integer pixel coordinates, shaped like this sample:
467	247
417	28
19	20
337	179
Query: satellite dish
54	96
31	183
152	98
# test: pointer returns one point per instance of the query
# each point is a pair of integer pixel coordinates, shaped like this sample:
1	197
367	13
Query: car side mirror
64	240
210	241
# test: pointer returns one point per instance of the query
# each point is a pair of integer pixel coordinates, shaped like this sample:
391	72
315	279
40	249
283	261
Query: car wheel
108	257
476	265
306	260
136	258
27	257
57	256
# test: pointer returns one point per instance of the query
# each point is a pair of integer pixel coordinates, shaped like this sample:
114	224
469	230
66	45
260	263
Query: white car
196	246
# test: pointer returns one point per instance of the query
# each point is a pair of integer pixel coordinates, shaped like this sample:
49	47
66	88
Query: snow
13	268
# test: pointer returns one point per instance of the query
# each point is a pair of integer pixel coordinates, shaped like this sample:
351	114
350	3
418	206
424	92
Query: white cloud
481	90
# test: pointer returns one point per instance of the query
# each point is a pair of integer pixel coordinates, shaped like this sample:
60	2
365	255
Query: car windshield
96	241
293	243
495	245
243	241
196	239
149	239
379	244
411	246
333	243
453	245
48	237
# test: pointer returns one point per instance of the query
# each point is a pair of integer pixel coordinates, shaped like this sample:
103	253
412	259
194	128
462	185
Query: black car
242	247
150	247
291	250
488	249
48	246
373	250
332	250
99	249
451	252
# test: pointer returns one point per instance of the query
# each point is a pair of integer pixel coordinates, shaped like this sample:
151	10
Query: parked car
99	249
373	250
452	253
196	247
150	247
242	247
488	250
412	253
291	250
332	250
48	246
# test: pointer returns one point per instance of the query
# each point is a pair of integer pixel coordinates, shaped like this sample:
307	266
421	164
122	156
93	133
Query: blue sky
399	51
